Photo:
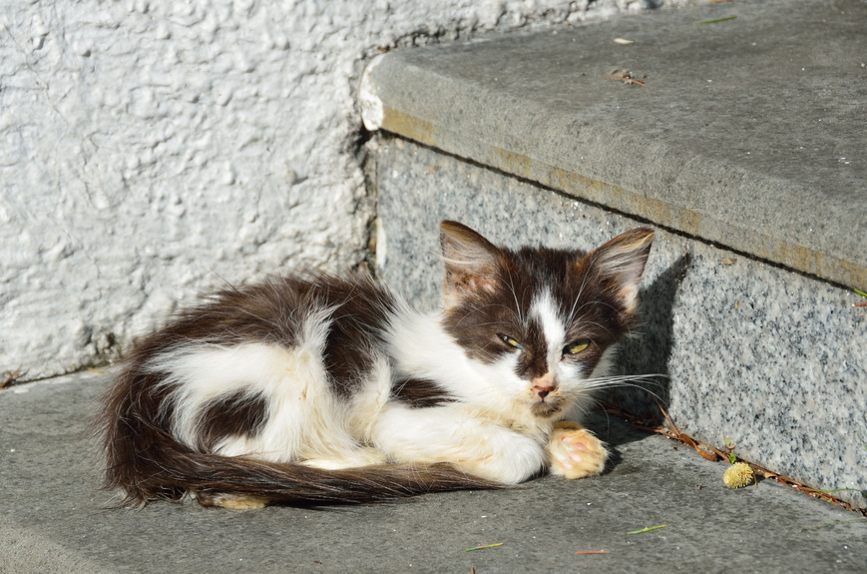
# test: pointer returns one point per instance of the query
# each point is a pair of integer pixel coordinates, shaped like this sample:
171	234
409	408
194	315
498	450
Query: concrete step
745	149
747	134
54	519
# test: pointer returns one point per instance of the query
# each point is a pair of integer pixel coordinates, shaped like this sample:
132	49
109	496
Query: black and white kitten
325	390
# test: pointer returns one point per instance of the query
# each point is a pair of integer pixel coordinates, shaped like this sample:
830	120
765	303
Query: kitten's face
541	332
539	321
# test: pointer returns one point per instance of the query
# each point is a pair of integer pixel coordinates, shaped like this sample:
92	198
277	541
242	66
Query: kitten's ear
620	263
471	263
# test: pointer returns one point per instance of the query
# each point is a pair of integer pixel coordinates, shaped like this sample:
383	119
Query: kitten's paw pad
233	502
574	452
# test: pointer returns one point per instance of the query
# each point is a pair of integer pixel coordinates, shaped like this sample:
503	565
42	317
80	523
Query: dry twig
703	449
648	529
10	378
626	77
485	546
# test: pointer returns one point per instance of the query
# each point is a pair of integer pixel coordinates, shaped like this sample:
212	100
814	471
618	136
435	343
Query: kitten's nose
544	385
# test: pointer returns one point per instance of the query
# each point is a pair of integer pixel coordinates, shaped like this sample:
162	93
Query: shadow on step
645	355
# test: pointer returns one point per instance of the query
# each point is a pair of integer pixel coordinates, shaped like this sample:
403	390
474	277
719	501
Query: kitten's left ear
620	263
471	263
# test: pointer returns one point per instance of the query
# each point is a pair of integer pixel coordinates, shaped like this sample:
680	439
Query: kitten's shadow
645	355
614	433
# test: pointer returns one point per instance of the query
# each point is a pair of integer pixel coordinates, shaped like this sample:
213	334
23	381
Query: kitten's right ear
620	263
471	263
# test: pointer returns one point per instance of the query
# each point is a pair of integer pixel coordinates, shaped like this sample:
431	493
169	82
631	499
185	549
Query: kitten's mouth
545	408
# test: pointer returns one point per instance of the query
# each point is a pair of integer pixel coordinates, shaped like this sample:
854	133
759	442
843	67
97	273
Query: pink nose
542	387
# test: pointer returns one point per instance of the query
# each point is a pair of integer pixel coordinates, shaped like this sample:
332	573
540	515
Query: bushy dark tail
145	462
209	476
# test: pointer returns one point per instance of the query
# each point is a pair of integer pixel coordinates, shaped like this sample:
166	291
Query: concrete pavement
54	518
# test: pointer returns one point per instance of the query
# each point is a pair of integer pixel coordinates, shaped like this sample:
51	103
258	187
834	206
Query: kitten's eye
576	347
511	341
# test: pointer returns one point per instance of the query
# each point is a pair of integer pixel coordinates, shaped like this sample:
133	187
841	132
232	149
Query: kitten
323	390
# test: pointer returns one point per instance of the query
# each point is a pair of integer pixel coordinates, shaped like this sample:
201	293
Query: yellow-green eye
576	346
511	342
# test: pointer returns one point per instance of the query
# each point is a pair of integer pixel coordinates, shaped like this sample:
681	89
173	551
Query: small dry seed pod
738	475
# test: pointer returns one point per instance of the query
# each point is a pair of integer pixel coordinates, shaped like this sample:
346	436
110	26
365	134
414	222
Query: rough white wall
151	149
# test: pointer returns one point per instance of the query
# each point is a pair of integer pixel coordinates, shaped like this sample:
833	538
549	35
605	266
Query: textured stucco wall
152	149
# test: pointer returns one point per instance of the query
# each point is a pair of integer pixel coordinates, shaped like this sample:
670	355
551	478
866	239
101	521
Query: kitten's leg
450	434
574	452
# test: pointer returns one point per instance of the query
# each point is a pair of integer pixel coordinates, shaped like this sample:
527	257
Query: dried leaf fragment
626	77
10	378
705	452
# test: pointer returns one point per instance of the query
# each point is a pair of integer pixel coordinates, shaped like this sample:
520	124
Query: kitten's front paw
574	452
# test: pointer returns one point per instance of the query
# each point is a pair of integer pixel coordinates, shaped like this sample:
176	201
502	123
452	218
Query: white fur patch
421	348
370	400
546	311
303	418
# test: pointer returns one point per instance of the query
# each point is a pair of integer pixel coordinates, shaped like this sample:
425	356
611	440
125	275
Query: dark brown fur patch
236	414
534	361
419	393
361	313
273	312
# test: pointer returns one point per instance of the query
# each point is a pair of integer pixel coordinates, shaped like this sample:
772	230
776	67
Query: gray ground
54	519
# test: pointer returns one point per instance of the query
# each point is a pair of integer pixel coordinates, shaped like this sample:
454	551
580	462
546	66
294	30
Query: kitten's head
540	320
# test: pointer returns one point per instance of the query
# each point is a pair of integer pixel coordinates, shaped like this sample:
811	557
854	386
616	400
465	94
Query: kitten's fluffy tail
145	462
211	476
